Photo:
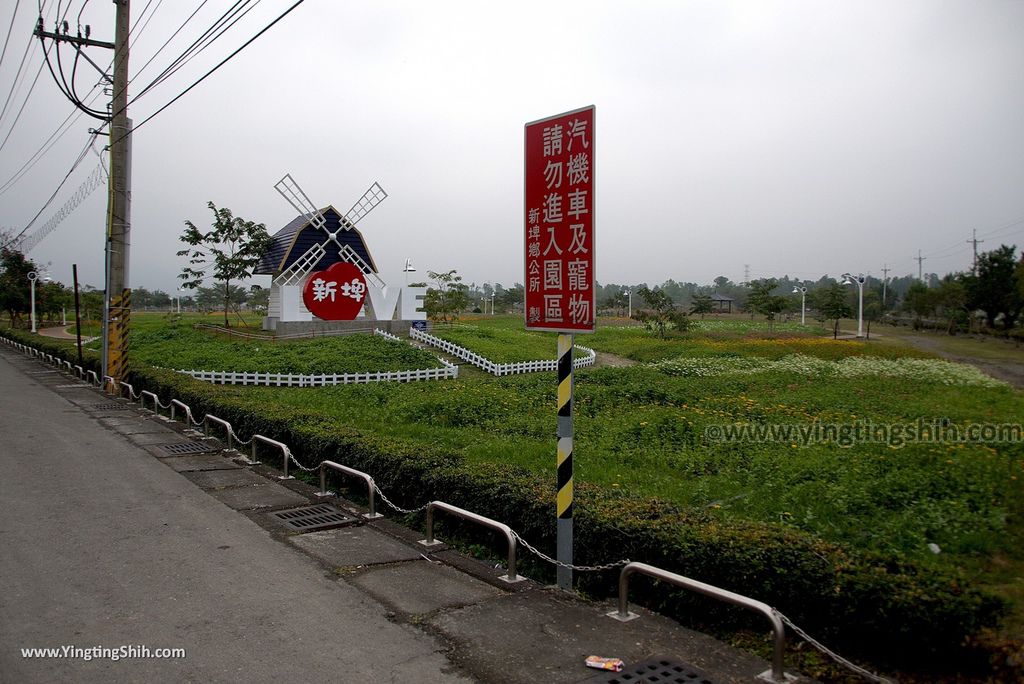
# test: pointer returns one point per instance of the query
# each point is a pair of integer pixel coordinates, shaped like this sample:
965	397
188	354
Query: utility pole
920	259
975	241
118	295
885	281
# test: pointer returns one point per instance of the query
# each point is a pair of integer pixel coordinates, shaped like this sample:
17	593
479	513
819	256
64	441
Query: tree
660	314
447	298
259	298
833	301
15	289
232	249
701	304
761	299
995	289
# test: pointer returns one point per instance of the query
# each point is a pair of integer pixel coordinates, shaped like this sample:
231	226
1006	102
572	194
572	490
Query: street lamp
492	303
32	278
408	269
859	279
629	292
803	303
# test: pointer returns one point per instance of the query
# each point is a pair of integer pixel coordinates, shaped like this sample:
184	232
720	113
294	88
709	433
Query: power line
205	40
10	29
222	63
168	41
17	75
60	185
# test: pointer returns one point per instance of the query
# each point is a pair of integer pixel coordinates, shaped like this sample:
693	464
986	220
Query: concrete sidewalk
119	529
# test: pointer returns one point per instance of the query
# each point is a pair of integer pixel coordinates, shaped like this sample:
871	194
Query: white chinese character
533	250
553	208
534	314
534	233
578	129
578	271
322	289
552	140
579	235
553	174
534	284
533	216
578	203
355	290
579	168
553	274
553	308
534	267
551	243
579	309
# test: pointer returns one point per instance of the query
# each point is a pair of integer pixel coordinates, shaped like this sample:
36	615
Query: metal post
564	544
78	314
860	306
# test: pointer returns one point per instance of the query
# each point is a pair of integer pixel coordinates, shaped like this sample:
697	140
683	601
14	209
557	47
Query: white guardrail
500	368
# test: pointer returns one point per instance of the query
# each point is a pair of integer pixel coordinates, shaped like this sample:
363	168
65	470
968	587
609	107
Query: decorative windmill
295	196
321	237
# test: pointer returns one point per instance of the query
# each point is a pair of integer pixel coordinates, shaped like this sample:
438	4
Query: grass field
659	428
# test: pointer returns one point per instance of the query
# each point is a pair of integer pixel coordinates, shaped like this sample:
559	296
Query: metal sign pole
565	430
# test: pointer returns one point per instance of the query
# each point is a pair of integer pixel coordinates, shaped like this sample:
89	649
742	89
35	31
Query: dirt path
606	360
1006	369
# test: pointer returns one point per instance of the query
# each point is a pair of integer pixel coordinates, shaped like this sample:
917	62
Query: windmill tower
315	240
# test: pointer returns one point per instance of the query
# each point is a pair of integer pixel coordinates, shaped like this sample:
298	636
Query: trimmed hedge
882	608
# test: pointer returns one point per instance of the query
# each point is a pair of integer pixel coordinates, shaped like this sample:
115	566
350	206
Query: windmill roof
298	236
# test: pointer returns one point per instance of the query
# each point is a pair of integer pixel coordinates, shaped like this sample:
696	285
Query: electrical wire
168	41
10	29
214	69
60	185
205	40
17	75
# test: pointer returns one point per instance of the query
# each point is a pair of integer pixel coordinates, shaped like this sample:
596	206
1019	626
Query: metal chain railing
407	511
581	568
867	674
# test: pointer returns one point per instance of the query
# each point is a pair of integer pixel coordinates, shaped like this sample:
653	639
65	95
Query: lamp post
803	303
408	269
859	279
32	278
492	303
629	310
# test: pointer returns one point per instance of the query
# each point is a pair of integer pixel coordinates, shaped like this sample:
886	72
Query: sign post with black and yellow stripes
565	434
559	263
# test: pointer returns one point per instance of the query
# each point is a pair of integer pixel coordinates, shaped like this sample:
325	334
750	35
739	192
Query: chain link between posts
866	674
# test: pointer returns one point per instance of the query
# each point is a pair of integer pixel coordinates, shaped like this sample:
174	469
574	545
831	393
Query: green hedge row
887	610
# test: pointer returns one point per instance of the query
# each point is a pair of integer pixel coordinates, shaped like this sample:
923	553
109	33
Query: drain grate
657	669
312	518
180	448
109	407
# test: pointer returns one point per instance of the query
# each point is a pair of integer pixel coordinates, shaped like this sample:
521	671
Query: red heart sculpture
336	294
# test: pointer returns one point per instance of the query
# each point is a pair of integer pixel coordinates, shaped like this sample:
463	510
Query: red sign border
593	225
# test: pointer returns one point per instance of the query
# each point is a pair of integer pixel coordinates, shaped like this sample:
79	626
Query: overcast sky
799	138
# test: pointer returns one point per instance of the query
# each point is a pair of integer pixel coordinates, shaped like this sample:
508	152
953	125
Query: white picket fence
500	369
448	371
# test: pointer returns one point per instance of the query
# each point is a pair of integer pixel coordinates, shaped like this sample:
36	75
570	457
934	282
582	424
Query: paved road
103	545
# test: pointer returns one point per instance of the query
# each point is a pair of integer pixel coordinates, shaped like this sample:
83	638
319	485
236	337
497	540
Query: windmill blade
364	205
348	254
293	194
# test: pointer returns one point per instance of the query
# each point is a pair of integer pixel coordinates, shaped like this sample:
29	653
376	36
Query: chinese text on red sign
559	223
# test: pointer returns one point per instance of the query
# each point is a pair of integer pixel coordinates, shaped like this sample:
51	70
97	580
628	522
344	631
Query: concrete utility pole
885	281
920	259
118	295
975	241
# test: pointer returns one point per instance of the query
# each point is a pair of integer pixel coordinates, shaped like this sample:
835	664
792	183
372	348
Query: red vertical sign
559	223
